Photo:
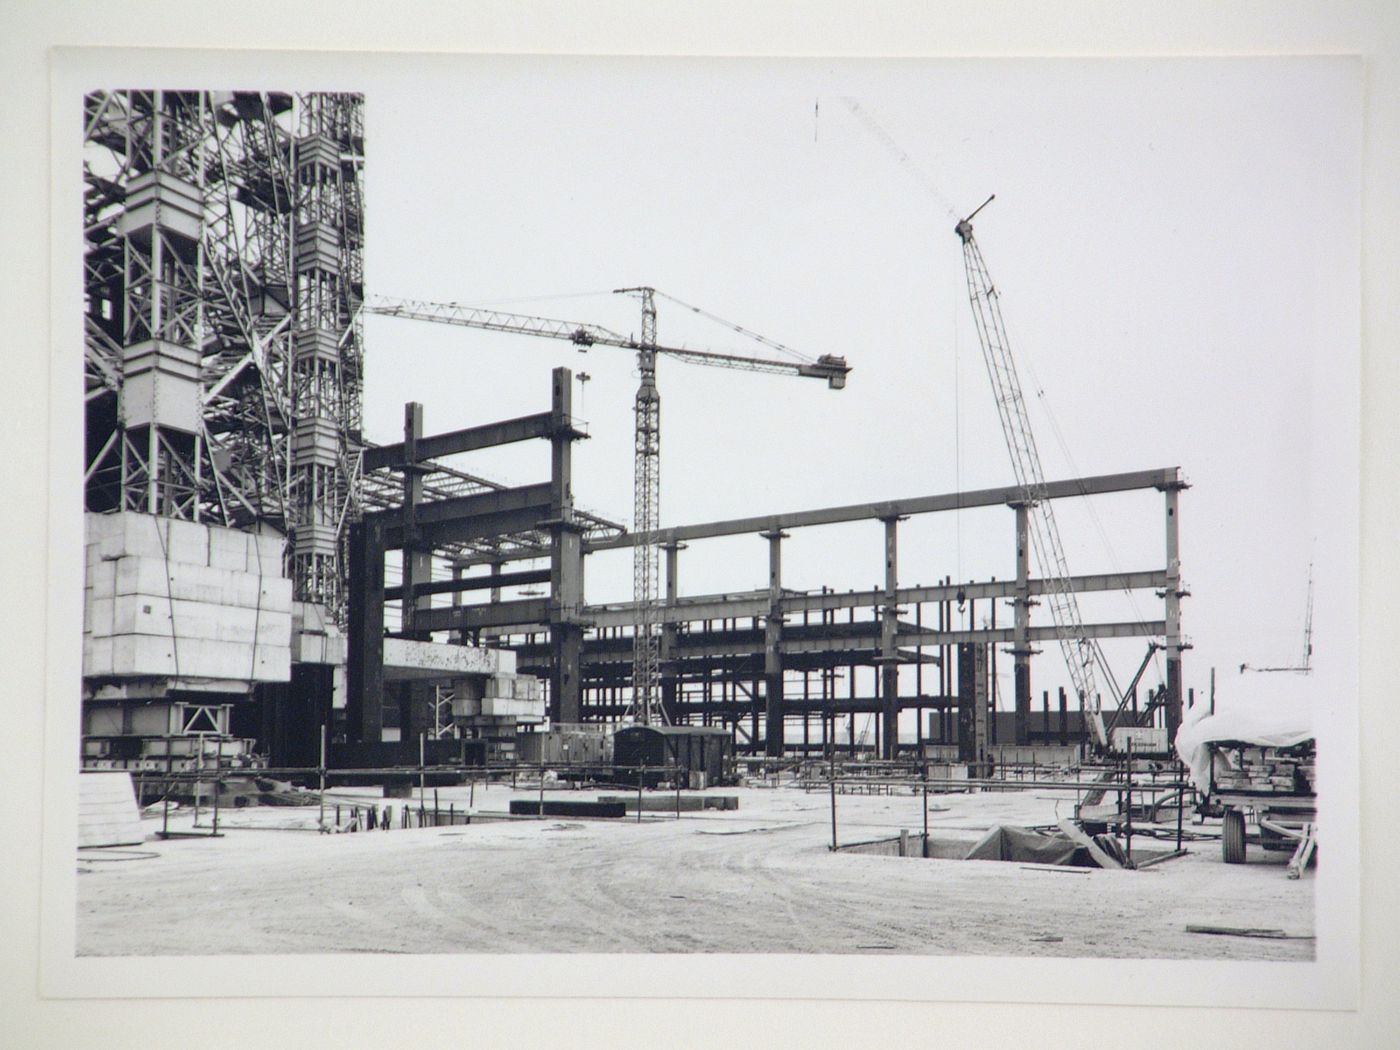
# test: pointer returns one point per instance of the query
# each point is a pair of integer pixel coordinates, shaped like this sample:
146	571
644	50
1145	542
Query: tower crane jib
646	704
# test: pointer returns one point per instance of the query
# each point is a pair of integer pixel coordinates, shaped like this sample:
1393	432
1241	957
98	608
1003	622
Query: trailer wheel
1232	837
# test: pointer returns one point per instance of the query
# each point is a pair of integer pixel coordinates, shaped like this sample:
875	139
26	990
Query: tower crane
646	707
1081	654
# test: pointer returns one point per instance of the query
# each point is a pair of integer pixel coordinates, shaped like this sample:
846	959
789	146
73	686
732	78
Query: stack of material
178	599
1261	711
1265	770
520	696
107	814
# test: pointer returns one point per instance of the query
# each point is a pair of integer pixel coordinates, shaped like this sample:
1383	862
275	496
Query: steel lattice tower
223	283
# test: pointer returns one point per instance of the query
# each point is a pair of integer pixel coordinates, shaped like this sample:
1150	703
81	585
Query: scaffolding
223	278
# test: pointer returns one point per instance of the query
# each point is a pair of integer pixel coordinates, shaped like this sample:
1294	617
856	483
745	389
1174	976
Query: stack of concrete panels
519	696
179	599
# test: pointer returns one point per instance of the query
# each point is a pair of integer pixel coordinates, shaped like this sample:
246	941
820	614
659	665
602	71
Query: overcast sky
1176	244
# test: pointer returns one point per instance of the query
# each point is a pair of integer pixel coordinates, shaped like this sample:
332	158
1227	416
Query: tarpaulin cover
1266	710
1006	842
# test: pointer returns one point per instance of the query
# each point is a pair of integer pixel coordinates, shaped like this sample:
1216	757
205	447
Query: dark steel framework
223	275
759	660
491	522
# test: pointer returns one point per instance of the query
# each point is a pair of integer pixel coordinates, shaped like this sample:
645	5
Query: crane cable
903	158
907	162
1055	429
773	343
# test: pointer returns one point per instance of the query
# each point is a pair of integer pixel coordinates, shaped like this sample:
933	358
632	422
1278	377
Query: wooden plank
1076	833
1249	931
1299	861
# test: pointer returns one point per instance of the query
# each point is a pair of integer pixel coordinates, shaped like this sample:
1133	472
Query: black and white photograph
604	525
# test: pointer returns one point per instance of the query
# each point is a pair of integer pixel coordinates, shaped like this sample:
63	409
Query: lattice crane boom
584	335
1080	653
646	554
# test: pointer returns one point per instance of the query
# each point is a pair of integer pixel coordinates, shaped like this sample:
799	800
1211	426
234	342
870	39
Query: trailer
1255	758
1274	785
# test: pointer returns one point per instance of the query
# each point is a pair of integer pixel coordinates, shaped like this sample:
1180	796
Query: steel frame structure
223	276
750	644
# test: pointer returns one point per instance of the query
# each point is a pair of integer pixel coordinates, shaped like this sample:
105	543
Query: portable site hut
705	750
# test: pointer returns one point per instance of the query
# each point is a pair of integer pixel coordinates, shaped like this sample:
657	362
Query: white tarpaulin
1267	710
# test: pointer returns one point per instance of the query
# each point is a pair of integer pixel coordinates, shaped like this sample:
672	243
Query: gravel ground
758	879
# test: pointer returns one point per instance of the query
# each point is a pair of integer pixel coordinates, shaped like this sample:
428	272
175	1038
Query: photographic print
874	514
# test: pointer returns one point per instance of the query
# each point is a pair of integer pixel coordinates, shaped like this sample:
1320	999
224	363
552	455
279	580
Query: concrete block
147	655
311	617
500	707
101	576
97	527
200	658
152	577
135	654
187	542
99	617
148	536
267	550
97	656
128	534
145	614
309	648
230	552
410	659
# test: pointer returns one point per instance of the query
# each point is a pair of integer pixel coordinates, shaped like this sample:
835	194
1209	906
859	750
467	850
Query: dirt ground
758	879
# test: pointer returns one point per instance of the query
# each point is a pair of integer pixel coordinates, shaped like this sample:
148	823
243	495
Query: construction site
384	699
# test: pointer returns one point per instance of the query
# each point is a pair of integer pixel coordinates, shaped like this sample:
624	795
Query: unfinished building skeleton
227	475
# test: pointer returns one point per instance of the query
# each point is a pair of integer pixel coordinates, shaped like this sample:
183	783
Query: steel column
773	741
365	656
1172	594
1021	645
667	663
889	655
565	562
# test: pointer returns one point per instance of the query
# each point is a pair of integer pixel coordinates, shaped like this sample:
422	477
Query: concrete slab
405	659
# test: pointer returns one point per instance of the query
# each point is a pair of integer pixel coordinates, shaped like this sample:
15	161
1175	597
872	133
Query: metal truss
245	260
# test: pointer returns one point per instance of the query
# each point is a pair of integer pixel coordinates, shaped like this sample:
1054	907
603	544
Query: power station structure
239	526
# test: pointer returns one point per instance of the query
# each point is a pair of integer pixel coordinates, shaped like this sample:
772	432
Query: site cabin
704	755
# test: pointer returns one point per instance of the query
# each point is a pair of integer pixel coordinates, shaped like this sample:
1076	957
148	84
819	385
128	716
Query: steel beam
773	649
540	425
531	612
1090	486
494	582
1003	635
1021	644
753	604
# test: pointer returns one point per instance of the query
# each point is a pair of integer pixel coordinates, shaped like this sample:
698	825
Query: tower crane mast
646	706
646	486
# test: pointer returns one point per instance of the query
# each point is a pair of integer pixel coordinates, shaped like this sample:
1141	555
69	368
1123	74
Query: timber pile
1266	770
